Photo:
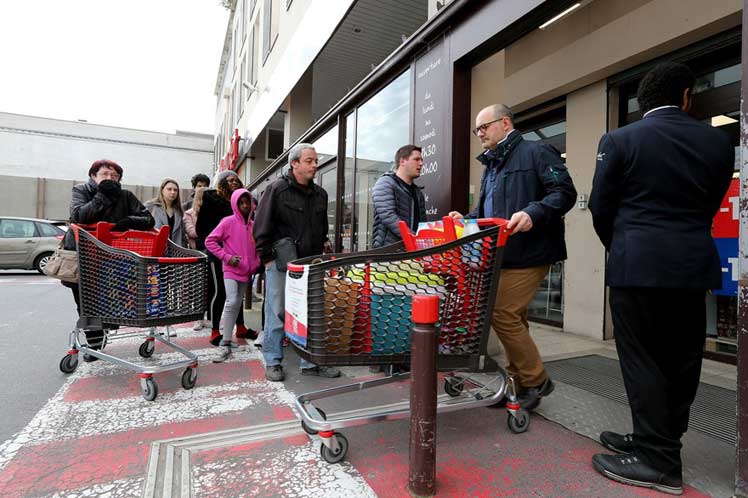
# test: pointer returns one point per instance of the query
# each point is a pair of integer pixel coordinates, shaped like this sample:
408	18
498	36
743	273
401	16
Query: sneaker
620	443
198	325
258	341
234	345
274	373
215	337
225	354
243	332
529	398
628	469
328	372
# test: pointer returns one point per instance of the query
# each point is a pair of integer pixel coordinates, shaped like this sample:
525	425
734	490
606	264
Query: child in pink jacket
232	243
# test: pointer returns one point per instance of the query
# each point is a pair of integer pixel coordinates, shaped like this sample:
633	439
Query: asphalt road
36	315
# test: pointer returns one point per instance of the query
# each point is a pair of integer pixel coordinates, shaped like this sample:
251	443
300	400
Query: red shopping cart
355	309
137	279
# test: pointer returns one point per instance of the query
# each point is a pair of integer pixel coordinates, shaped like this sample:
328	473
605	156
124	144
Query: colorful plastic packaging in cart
438	225
154	305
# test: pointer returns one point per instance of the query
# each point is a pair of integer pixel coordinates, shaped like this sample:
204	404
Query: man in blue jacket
397	198
658	184
527	183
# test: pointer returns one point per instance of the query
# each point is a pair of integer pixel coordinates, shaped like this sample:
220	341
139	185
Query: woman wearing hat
102	198
216	206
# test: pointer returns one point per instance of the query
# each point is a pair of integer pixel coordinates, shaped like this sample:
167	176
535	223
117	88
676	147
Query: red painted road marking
107	387
69	465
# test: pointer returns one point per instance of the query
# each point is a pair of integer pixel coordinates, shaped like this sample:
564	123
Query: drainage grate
712	412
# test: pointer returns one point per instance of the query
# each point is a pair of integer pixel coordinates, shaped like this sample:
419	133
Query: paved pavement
36	314
234	435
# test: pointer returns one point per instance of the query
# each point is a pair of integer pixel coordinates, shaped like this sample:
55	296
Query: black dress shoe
499	404
620	443
529	398
628	469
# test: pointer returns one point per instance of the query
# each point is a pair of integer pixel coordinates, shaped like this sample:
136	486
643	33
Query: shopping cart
355	309
136	279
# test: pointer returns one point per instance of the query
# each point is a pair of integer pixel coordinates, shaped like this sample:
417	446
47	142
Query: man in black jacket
658	184
292	208
397	198
103	199
199	180
528	184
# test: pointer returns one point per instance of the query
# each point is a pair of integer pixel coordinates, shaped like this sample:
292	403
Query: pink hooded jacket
233	237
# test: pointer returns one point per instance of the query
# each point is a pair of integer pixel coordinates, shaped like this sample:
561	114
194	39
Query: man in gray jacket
397	198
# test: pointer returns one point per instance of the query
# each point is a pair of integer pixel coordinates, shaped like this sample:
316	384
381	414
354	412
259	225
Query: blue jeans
275	313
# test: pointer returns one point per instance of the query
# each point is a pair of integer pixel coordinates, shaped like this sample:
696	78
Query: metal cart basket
355	309
137	279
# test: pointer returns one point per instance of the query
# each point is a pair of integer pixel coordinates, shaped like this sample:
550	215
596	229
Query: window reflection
328	177
327	146
381	128
346	224
327	149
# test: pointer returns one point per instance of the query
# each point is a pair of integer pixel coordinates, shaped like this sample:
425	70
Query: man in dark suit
658	184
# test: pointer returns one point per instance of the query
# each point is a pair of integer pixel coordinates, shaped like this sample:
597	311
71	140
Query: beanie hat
225	174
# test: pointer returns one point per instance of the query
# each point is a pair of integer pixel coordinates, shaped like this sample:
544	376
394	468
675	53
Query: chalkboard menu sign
431	108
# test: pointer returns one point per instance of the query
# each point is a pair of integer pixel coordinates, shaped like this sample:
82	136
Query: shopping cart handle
491	222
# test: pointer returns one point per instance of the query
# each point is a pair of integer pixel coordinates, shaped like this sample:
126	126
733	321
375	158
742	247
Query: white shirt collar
507	136
658	108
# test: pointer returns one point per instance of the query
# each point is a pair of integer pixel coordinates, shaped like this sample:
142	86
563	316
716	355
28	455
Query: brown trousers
516	290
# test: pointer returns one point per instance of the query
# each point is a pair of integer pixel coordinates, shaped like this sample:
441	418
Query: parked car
27	243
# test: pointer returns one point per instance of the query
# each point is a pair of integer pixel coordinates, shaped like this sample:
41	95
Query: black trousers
94	337
218	295
660	337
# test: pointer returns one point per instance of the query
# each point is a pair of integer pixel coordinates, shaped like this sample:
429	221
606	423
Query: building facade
286	63
569	70
42	159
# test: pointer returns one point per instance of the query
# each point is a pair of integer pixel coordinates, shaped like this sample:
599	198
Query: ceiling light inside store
564	13
722	120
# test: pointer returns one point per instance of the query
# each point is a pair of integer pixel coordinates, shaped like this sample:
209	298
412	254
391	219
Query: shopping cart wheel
331	456
308	429
519	423
189	378
147	348
69	363
453	386
150	389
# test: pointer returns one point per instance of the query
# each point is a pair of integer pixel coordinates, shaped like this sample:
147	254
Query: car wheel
41	261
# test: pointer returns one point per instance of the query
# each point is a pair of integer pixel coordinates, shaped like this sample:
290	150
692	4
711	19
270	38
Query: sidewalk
235	435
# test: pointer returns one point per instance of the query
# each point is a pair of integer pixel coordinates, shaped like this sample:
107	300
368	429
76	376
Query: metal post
422	470
741	460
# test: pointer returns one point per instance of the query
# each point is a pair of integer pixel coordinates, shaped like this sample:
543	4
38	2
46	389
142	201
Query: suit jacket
658	183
